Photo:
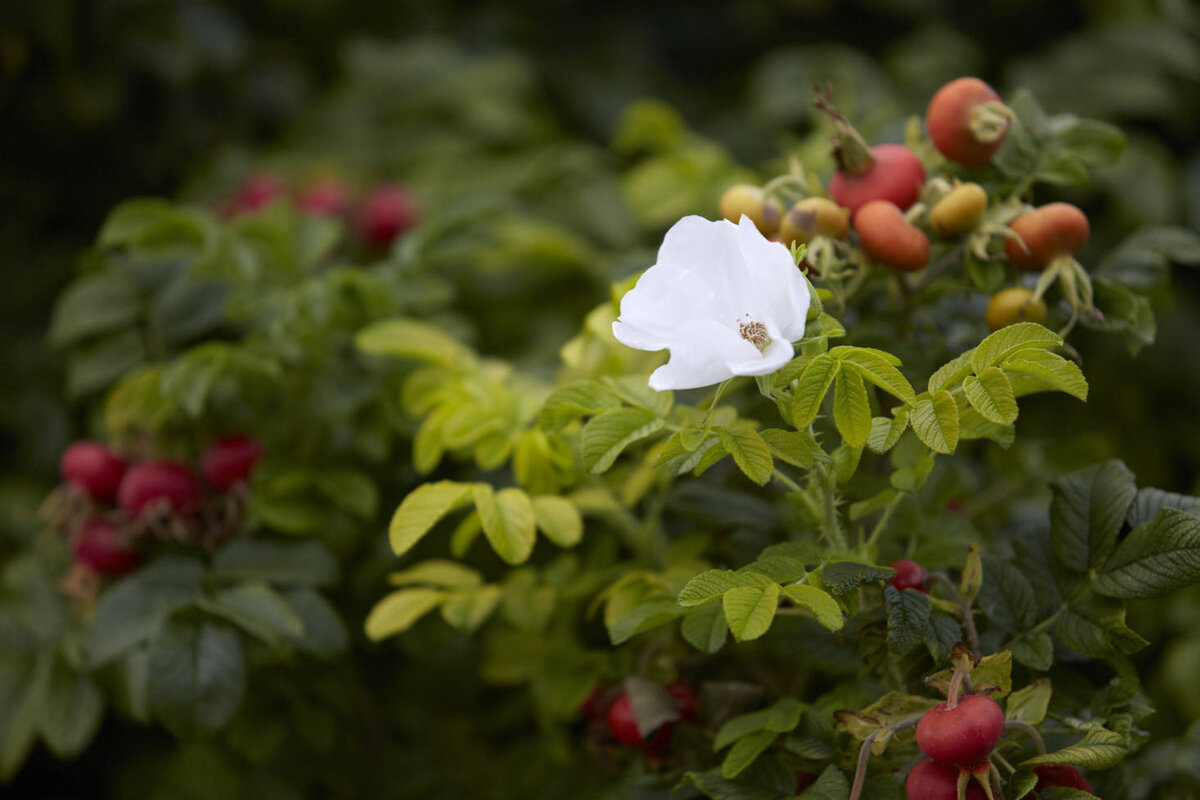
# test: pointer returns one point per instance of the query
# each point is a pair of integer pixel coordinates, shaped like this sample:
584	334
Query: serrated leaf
780	717
851	407
907	618
406	338
196	675
559	519
879	368
1156	557
798	448
749	452
704	628
1149	502
568	403
951	372
745	751
814	382
714	583
1098	749
647	615
467	609
991	394
935	421
1029	704
842	576
422	509
1007	596
886	432
1051	369
1087	513
398	611
607	435
821	604
1035	652
749	610
830	785
508	523
1002	344
1095	625
439	573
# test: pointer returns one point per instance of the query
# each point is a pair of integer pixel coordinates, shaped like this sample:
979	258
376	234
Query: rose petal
702	355
778	287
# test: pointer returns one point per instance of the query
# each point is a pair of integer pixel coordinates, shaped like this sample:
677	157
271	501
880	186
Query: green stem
787	481
883	521
1030	730
830	523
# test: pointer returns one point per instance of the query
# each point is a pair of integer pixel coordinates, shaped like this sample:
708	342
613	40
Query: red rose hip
894	174
229	461
889	238
1060	775
909	575
387	212
256	193
1049	232
685	700
930	780
158	482
623	724
93	469
101	547
327	197
963	735
967	122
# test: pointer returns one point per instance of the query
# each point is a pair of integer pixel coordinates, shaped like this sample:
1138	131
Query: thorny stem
830	524
864	752
968	620
1030	730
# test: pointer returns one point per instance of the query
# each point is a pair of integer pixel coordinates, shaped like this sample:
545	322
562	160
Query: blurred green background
101	100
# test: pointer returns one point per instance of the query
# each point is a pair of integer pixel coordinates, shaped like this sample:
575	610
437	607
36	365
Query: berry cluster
111	503
379	217
880	208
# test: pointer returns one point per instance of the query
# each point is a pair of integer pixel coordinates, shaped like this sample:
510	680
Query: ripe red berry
387	212
92	469
623	724
256	193
930	780
1051	231
101	547
966	121
153	481
327	197
1060	775
963	735
909	575
685	700
895	174
889	238
229	461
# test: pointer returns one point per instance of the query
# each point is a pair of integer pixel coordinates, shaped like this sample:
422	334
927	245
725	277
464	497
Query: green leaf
810	390
634	390
798	448
877	367
438	573
1087	513
131	610
717	787
1005	342
749	452
992	395
508	521
93	305
942	634
1156	557
297	563
558	519
1092	141
821	604
951	372
704	628
1095	625
935	421
581	399
467	608
422	509
845	462
886	432
907	618
259	610
350	490
972	575
1149	502
745	751
714	583
607	435
1007	596
780	717
406	338
1061	169
750	610
197	675
645	616
398	611
843	576
1029	704
830	785
851	407
1035	652
325	634
1098	749
1051	369
71	711
98	363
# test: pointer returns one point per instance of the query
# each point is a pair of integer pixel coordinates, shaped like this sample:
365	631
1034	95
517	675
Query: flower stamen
755	333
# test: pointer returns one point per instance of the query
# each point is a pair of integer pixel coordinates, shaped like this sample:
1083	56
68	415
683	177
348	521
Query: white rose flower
722	298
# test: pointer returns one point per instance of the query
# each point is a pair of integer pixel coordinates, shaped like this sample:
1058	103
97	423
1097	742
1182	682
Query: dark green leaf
1157	557
908	618
1087	513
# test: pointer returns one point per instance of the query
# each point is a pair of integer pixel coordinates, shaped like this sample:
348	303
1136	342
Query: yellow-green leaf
397	612
991	394
750	610
508	521
821	604
559	519
851	408
422	509
749	452
810	390
935	421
